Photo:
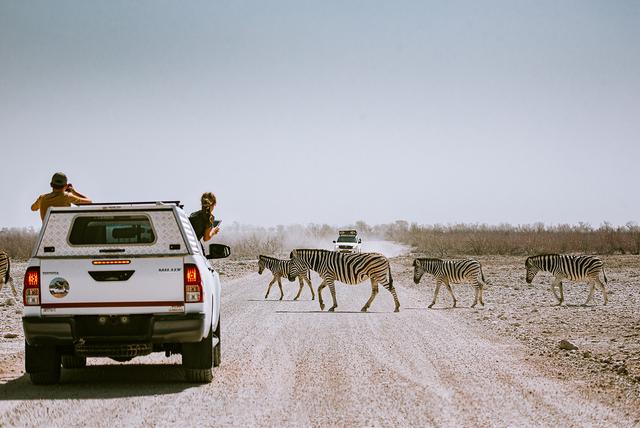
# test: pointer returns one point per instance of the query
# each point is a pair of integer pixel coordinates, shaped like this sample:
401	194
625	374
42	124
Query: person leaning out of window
203	220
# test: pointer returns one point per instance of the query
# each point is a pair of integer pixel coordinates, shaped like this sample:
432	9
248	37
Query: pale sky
327	111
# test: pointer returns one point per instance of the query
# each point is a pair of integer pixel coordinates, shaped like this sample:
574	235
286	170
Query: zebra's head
297	266
418	270
260	265
532	269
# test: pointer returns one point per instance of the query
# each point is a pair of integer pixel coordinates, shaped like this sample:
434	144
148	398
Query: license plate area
112	328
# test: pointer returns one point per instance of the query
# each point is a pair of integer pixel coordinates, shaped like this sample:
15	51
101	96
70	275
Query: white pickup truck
120	280
348	242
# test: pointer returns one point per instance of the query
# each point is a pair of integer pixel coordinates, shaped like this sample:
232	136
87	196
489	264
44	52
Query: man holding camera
63	194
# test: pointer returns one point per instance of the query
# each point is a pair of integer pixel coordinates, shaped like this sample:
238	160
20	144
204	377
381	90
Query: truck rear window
105	230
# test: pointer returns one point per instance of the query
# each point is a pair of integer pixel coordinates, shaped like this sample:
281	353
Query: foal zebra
451	272
348	268
5	272
573	268
281	268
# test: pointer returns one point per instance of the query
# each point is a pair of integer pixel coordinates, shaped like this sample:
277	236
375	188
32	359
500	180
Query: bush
481	239
18	242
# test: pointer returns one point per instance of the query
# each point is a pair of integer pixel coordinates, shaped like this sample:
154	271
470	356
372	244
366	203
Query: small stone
586	354
622	370
566	345
10	302
10	335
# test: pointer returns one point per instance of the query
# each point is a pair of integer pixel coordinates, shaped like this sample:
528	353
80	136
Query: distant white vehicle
119	281
348	242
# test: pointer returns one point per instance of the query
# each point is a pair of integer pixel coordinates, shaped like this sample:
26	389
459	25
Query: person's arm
210	232
36	205
77	197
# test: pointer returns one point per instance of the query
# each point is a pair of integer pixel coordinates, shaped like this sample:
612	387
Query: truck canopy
122	230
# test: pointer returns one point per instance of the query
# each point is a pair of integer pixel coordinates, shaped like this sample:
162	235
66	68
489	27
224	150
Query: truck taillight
192	284
31	290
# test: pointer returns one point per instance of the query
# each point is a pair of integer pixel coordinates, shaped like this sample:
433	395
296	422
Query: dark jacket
201	220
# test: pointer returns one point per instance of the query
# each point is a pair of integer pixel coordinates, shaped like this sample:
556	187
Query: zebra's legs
435	293
374	292
320	287
15	293
269	288
280	286
451	292
300	289
603	289
482	285
332	287
392	290
308	281
561	292
592	286
477	296
553	289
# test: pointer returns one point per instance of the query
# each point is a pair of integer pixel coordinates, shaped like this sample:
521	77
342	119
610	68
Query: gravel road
287	363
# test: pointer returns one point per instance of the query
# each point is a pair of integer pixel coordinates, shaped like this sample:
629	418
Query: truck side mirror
218	251
359	241
334	242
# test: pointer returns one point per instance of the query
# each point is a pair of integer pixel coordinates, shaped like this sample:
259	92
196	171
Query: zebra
449	272
573	268
280	268
5	272
350	268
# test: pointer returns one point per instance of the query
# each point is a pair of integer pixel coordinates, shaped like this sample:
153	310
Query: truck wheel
217	354
197	360
42	363
73	362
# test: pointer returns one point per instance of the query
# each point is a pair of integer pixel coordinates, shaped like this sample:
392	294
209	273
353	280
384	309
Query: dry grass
437	240
18	242
464	239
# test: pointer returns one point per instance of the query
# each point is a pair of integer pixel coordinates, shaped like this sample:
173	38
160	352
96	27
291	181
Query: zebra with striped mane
573	268
281	268
350	268
449	272
5	272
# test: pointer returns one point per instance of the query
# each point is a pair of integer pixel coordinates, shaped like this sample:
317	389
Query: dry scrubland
434	240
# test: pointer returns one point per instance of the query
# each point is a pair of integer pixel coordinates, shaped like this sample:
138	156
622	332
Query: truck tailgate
131	285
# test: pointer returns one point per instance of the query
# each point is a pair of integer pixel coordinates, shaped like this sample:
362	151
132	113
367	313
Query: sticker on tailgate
59	287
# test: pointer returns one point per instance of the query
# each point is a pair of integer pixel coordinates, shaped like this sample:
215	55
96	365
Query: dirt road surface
287	363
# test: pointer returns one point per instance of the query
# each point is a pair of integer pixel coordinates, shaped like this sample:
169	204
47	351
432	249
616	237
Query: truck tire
217	354
73	362
42	363
197	360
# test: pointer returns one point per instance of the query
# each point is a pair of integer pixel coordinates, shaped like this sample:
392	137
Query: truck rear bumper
68	330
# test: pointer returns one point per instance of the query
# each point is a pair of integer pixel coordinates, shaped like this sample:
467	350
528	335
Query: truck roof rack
177	203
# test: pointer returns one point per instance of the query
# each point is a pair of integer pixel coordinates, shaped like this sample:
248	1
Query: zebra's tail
605	276
482	276
7	274
390	278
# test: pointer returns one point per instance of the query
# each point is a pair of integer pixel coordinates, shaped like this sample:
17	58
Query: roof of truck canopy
108	206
